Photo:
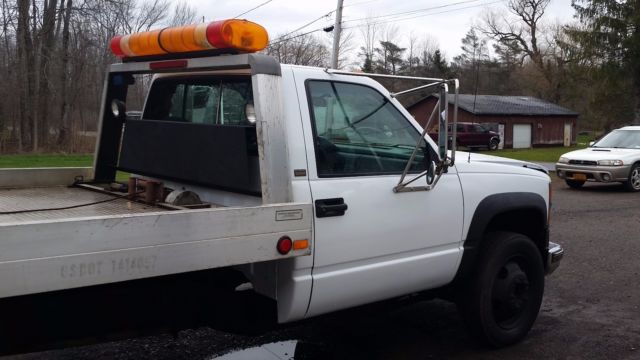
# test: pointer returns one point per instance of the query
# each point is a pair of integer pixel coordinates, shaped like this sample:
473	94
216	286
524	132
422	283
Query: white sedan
614	158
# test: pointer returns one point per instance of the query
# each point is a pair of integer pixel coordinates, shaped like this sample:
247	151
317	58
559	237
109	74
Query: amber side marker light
300	244
233	34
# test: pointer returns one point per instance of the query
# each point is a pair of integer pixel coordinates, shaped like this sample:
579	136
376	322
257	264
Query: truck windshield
206	100
629	139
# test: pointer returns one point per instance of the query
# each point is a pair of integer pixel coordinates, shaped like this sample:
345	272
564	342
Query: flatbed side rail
40	256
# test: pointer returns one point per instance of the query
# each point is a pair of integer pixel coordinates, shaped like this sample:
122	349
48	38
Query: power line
422	15
280	39
254	8
390	18
411	12
306	25
360	3
320	18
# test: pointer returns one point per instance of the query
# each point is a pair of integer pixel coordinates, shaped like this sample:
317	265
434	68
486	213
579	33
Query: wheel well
528	222
505	212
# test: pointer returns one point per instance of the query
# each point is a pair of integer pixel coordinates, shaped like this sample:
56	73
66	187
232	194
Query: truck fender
520	212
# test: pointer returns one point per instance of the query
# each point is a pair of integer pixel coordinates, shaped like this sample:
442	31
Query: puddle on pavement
281	350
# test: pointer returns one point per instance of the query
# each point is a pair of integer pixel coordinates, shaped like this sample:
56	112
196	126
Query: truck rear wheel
502	298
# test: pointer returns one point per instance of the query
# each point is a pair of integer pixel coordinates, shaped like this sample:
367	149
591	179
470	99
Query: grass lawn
550	154
45	160
536	154
52	160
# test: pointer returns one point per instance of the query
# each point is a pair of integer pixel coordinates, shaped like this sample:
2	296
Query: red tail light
284	245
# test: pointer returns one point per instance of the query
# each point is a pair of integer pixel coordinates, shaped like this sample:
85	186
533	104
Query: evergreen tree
467	64
439	64
509	53
610	37
389	58
474	49
367	61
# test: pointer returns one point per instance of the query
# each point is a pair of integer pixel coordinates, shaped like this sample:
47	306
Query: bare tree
370	33
522	34
521	29
345	48
146	15
412	59
183	14
301	49
25	65
64	128
427	48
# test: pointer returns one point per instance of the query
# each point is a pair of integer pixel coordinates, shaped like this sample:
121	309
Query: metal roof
507	105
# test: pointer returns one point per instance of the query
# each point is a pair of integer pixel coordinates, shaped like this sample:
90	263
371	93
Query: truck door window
359	132
212	101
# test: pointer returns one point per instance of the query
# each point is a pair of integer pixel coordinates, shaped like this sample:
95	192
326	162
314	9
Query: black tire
574	184
633	182
493	144
501	300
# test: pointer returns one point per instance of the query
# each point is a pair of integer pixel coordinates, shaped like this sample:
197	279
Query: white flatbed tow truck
316	185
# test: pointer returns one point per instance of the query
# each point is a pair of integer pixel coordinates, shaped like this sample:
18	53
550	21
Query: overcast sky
447	21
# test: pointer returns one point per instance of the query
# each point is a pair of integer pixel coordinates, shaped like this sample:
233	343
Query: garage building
523	121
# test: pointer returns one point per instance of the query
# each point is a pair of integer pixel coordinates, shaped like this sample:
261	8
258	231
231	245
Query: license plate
580	177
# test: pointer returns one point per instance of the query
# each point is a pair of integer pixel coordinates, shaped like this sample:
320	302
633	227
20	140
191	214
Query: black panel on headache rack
220	156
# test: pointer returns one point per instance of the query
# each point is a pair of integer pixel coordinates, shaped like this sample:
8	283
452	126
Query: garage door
521	136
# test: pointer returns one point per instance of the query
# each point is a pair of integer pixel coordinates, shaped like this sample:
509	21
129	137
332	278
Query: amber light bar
239	35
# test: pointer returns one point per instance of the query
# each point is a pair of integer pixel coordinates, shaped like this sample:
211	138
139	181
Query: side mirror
431	173
118	109
591	143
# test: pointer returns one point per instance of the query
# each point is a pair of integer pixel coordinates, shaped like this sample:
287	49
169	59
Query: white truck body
387	244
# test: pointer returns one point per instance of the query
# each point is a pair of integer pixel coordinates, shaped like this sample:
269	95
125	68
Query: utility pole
337	29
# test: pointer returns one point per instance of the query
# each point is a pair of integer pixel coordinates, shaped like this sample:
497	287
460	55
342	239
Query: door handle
330	207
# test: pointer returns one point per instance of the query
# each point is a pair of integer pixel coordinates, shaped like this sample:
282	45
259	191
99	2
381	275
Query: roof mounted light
233	35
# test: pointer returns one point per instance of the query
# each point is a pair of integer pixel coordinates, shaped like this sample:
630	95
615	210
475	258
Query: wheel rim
511	294
635	178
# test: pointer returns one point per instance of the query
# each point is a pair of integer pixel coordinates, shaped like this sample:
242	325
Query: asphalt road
591	308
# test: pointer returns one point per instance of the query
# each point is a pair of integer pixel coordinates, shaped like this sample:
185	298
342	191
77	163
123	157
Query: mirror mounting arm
434	171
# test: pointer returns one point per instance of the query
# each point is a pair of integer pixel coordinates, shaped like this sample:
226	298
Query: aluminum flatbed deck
122	240
60	197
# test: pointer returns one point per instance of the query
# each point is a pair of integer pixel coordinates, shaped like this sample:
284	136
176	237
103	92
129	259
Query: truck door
371	243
